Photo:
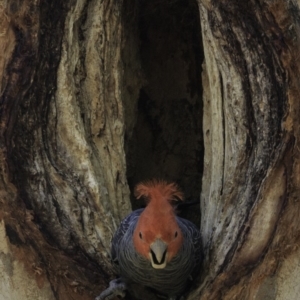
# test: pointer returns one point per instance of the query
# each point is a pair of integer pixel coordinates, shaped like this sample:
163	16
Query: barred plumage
153	249
170	281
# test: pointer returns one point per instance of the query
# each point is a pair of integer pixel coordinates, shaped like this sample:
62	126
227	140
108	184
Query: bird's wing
128	221
194	234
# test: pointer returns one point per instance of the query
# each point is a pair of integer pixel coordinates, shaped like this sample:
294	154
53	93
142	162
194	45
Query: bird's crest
157	235
154	189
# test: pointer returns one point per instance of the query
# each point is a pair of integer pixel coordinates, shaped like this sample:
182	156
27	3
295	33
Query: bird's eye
140	234
176	234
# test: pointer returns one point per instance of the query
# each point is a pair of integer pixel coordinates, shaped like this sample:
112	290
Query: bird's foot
116	288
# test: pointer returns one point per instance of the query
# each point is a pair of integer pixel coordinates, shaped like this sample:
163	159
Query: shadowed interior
165	140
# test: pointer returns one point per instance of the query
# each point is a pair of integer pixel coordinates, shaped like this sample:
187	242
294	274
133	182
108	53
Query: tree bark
97	95
249	83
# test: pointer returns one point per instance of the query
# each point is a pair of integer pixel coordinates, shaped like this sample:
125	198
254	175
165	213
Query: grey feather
134	268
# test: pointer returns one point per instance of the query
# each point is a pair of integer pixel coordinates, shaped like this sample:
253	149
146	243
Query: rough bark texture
62	138
249	83
97	95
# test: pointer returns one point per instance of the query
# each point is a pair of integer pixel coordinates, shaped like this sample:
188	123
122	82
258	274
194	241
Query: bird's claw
116	288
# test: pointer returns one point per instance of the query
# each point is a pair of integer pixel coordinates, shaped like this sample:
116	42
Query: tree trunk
98	95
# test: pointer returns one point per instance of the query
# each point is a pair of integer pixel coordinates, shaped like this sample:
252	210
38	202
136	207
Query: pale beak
158	254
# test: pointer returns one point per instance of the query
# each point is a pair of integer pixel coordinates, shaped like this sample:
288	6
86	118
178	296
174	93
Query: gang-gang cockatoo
153	248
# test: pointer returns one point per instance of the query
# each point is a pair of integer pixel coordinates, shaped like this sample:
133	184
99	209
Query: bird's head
157	235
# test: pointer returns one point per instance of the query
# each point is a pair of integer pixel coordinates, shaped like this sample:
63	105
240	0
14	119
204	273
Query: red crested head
157	235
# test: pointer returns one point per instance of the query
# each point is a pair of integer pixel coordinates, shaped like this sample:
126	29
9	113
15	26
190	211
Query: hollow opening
163	106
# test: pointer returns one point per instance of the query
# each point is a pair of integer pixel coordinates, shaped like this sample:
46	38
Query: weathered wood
246	103
63	131
92	98
249	150
76	129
